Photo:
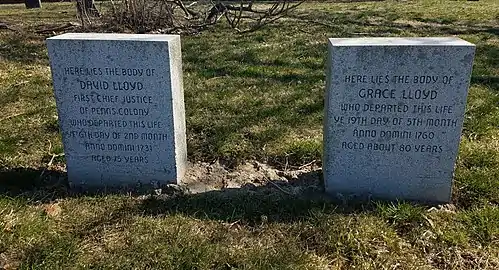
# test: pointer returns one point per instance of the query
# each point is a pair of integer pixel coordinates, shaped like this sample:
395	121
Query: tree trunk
33	3
87	8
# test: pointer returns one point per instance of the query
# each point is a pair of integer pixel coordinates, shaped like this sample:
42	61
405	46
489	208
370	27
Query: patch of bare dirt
203	177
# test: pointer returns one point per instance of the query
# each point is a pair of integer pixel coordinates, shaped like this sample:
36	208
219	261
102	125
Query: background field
253	97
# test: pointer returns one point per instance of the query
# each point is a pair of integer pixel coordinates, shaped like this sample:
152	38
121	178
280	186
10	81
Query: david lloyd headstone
120	102
394	114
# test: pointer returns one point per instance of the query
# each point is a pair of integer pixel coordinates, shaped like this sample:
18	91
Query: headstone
394	114
33	3
120	102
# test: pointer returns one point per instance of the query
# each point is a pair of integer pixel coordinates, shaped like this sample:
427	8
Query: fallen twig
308	164
310	21
6	26
277	186
23	113
68	26
50	163
12	116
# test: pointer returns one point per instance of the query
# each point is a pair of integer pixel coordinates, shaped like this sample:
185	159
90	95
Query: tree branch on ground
6	26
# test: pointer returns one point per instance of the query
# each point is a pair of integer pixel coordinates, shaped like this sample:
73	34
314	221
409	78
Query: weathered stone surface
394	114
120	102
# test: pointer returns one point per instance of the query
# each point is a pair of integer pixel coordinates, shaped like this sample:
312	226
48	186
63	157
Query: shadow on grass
243	133
486	59
274	202
23	48
491	82
255	97
33	184
248	207
250	204
386	22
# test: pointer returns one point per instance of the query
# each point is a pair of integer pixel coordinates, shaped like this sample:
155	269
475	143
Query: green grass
248	97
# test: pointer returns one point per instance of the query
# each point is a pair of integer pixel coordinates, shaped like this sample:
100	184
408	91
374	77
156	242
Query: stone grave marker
33	3
394	114
121	110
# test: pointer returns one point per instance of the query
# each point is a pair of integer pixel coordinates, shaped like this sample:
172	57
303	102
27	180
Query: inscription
114	111
109	120
105	85
119	159
397	79
100	135
113	71
396	113
371	93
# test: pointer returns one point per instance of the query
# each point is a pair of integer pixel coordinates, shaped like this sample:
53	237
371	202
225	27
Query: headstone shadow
33	184
273	202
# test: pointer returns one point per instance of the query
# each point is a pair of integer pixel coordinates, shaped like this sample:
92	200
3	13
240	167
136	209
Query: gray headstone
121	110
33	3
394	114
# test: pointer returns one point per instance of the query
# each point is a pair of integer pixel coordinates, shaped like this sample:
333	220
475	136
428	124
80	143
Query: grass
249	97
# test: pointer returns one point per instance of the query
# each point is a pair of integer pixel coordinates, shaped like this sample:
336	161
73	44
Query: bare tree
178	16
86	9
235	13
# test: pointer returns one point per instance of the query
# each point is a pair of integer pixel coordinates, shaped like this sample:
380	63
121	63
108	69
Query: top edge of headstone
400	41
114	37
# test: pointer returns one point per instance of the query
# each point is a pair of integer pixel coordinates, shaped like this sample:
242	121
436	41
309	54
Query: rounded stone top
400	41
112	36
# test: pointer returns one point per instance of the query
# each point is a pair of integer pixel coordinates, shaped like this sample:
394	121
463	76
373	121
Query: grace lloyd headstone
121	110
394	114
